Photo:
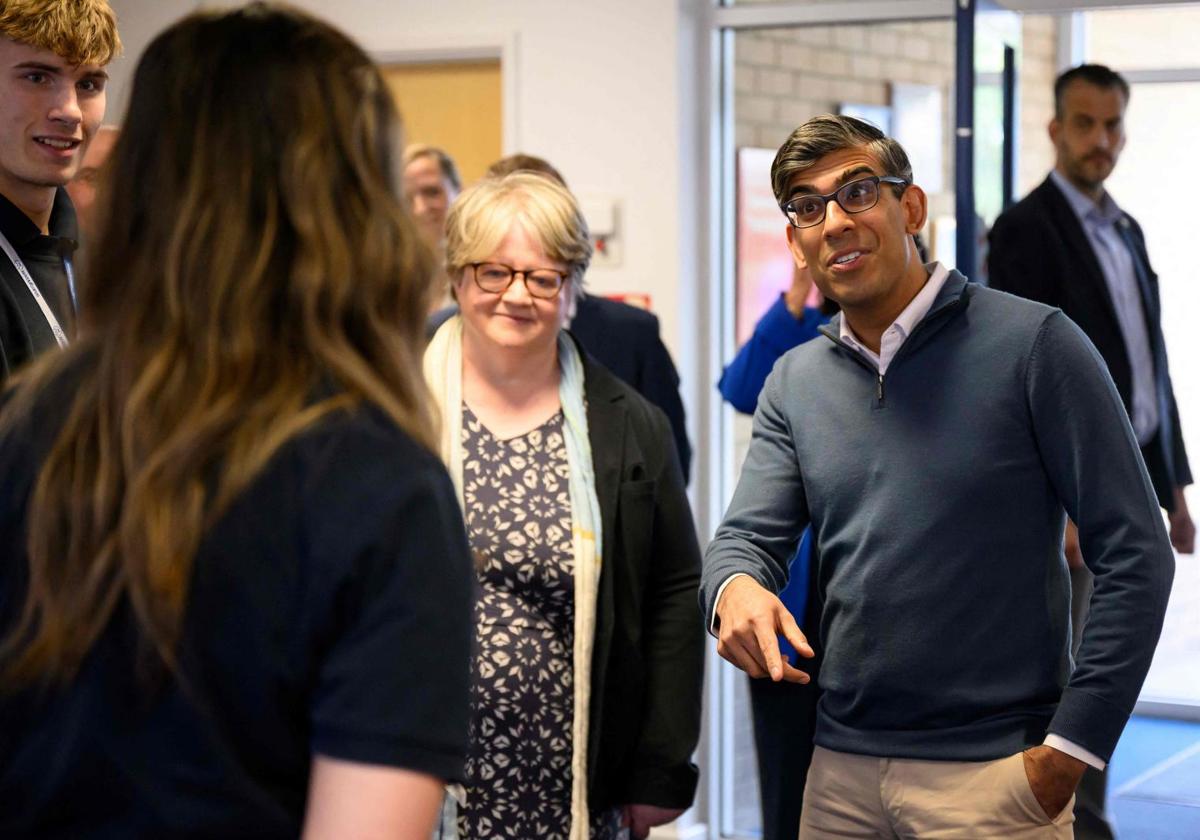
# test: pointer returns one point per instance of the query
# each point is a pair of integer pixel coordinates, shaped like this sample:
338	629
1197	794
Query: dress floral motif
518	514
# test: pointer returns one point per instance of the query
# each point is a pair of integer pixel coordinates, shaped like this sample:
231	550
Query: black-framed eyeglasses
861	194
495	278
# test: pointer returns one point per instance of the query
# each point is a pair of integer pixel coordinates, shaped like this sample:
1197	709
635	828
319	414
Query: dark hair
828	133
524	163
1093	74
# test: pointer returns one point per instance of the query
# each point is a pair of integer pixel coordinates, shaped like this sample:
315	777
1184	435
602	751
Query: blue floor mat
1175	781
1154	781
1138	820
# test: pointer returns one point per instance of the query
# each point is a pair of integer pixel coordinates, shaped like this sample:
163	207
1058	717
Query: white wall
597	90
138	21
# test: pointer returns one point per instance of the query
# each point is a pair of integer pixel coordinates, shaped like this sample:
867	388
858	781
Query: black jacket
648	659
24	331
626	340
1040	251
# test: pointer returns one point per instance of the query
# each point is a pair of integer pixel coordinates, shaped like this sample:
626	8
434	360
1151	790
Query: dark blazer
626	340
1039	250
648	659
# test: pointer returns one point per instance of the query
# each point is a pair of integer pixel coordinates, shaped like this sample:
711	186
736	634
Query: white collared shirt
896	334
1099	222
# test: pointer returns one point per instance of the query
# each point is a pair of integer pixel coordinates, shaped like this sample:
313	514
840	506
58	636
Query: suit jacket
626	340
648	659
1039	250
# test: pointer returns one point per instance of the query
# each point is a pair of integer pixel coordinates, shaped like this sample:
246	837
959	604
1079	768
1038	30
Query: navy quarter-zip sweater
936	495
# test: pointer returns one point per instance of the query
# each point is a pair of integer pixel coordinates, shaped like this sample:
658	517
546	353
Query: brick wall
1039	66
784	76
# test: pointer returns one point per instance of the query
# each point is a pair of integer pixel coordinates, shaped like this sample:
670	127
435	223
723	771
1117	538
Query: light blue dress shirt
1100	222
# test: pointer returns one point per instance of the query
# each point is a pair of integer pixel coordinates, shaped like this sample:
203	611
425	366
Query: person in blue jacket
787	324
784	713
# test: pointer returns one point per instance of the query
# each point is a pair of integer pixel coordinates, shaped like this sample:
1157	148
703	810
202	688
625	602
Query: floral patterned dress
518	513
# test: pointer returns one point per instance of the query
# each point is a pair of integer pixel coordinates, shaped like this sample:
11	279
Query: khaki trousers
856	796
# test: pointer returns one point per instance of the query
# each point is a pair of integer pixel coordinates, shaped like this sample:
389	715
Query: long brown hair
256	271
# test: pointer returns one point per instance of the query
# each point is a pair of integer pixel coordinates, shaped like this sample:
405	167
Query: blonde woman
586	694
234	583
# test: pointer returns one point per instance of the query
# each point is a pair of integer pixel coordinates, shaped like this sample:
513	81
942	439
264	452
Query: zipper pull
879	388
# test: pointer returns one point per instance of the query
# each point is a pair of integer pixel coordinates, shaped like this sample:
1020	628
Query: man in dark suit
1069	245
625	340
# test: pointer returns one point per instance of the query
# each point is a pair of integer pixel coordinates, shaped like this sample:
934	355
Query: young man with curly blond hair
52	97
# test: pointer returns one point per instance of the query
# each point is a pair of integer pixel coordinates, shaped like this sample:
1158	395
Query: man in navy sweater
936	440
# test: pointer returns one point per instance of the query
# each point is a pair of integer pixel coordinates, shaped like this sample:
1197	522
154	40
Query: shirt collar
63	222
917	308
21	230
1082	204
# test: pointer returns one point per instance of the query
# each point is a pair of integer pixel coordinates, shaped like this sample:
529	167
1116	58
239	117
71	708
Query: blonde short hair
485	213
78	31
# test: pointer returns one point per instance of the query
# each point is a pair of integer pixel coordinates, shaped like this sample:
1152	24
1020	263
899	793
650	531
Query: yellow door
454	105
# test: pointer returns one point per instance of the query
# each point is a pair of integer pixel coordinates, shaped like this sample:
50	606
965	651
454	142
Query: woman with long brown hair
235	587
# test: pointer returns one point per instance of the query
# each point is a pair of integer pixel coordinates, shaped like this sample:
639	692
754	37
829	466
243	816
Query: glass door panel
1161	121
899	75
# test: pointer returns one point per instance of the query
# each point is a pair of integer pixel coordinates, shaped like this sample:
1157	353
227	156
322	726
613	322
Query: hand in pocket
1053	777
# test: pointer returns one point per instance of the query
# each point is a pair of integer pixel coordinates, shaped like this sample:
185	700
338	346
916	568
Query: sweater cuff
1089	721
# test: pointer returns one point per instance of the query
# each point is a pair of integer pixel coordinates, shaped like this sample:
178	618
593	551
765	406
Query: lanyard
59	335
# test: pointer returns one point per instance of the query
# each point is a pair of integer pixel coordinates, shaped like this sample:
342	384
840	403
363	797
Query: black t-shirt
329	612
24	330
